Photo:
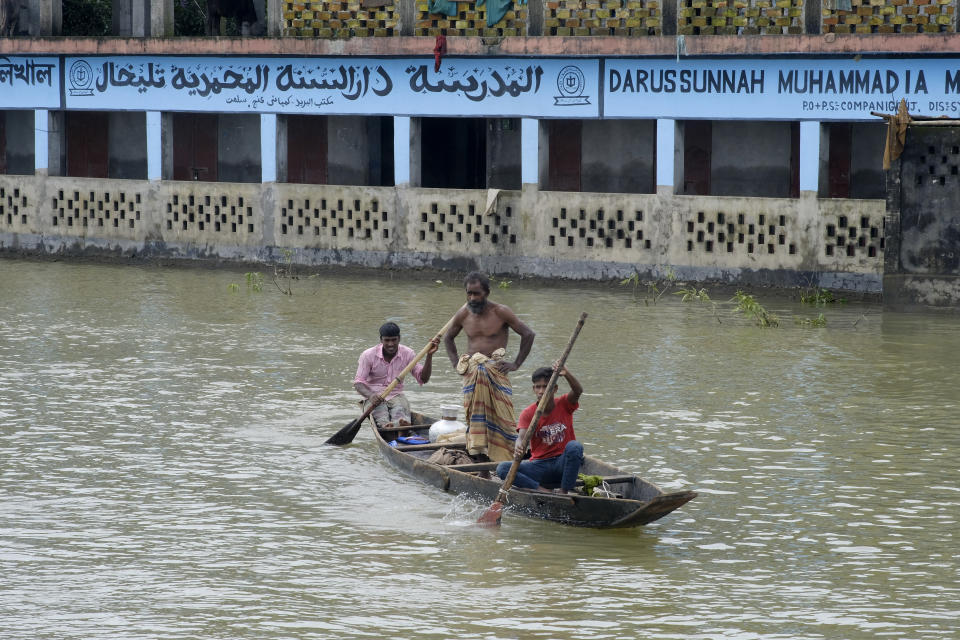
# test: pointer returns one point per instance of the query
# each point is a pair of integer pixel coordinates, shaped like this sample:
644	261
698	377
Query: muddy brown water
163	474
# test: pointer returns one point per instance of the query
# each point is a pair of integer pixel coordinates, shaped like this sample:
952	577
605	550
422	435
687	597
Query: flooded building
727	142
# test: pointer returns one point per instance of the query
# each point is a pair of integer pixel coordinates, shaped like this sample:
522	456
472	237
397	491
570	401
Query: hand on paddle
518	448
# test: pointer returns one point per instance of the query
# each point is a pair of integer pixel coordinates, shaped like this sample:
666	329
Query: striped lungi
488	403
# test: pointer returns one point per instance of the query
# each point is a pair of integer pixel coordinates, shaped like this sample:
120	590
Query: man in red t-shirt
555	454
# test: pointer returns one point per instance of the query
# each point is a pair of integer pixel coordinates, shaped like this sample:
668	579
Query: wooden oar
491	517
350	430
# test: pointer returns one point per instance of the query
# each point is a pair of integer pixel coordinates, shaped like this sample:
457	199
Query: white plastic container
449	429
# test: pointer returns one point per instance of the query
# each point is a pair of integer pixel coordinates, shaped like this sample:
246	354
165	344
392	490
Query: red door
87	144
697	156
564	164
307	149
195	140
841	142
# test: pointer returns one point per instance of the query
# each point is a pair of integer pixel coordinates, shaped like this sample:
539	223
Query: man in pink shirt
377	368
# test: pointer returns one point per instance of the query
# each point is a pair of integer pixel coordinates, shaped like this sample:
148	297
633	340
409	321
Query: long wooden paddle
491	517
350	430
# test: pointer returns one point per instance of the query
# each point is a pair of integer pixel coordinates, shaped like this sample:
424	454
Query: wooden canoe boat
641	502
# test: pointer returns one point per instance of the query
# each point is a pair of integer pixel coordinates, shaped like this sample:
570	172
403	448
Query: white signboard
394	86
782	89
29	83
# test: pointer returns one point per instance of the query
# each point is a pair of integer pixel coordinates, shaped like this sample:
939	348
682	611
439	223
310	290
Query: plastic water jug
449	428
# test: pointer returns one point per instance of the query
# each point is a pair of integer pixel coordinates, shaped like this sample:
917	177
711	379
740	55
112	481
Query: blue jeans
562	469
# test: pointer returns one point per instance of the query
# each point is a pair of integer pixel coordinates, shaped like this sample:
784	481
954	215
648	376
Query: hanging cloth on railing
496	9
443	7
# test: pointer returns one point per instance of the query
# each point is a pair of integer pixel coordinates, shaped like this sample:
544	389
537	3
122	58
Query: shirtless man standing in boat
487	395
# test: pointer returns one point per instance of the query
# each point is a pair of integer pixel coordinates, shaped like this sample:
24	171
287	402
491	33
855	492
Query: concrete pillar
143	18
529	151
283	170
130	18
166	143
275	19
161	18
402	150
812	17
154	145
41	143
669	17
407	19
534	18
666	156
259	28
52	132
43	18
809	155
268	147
823	171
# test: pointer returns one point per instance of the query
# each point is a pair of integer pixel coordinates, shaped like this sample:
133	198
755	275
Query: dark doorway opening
454	153
381	164
840	145
307	149
565	139
195	146
697	157
88	140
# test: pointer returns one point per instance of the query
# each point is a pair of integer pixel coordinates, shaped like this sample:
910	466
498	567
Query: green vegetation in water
254	280
284	273
748	306
819	321
504	284
700	295
688	295
655	288
819	297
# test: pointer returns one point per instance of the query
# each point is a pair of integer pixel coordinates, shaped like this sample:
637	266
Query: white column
154	145
401	150
41	140
666	155
268	147
529	151
809	155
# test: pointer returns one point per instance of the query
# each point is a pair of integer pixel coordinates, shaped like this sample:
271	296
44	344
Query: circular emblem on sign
81	75
570	81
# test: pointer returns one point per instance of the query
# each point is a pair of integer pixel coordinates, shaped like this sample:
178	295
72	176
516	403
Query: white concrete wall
786	242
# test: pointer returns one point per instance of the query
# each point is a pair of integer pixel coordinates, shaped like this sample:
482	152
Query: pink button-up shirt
377	373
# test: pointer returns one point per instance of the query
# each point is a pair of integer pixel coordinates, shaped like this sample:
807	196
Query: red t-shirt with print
555	430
